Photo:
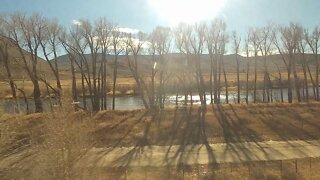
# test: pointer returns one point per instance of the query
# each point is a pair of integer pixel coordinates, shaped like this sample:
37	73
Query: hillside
16	64
176	62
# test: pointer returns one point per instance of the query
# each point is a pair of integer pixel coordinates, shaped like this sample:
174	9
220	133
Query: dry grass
47	146
43	146
223	123
125	85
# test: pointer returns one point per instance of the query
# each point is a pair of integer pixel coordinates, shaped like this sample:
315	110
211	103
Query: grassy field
223	123
48	145
125	85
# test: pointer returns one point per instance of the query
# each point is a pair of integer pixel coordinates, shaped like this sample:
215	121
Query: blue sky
140	14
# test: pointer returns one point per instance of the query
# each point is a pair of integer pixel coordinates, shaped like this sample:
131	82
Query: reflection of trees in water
135	102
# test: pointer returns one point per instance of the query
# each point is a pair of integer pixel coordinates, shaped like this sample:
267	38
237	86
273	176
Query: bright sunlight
188	11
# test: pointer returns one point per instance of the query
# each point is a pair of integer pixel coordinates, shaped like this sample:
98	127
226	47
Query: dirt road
159	156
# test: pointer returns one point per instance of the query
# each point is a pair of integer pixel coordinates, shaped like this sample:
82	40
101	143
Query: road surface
159	156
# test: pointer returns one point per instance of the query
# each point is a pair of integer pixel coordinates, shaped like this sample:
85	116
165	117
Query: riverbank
134	102
124	86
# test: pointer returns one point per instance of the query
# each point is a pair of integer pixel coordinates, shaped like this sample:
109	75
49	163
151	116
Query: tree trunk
226	85
312	81
74	81
210	81
105	84
289	86
255	79
317	74
219	79
247	82
305	80
296	79
281	86
115	72
5	58
238	79
83	88
37	96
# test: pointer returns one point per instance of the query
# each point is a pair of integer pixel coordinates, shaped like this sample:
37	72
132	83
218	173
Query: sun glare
188	11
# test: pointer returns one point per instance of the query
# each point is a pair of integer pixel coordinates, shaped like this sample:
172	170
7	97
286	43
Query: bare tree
98	39
213	36
76	46
266	41
280	83
313	41
287	45
162	42
27	33
302	49
153	50
298	34
236	46
87	37
196	40
117	49
66	41
103	29
180	34
247	50
255	41
89	34
5	44
134	43
222	51
50	45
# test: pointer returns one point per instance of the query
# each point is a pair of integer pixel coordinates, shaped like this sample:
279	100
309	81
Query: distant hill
177	61
16	64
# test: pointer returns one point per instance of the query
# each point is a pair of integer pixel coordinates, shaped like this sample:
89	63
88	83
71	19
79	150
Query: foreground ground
53	145
222	123
163	156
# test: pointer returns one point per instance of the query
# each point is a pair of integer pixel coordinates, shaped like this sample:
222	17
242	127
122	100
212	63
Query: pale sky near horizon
144	15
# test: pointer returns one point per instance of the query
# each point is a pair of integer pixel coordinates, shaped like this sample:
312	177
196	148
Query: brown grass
125	85
43	146
47	146
223	123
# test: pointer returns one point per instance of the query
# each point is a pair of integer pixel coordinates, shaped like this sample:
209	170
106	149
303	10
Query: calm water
134	102
122	103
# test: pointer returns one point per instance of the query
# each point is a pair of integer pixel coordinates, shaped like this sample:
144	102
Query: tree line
34	36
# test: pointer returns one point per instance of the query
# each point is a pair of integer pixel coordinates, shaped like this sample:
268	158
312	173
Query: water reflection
130	102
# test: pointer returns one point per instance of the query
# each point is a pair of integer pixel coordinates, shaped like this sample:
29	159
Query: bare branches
28	32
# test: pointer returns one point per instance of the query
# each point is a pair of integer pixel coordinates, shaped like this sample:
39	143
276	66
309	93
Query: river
130	102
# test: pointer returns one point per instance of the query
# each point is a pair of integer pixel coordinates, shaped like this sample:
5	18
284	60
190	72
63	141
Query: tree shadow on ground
187	133
117	143
286	123
235	132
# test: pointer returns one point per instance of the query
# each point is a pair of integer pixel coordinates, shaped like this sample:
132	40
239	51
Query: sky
145	15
